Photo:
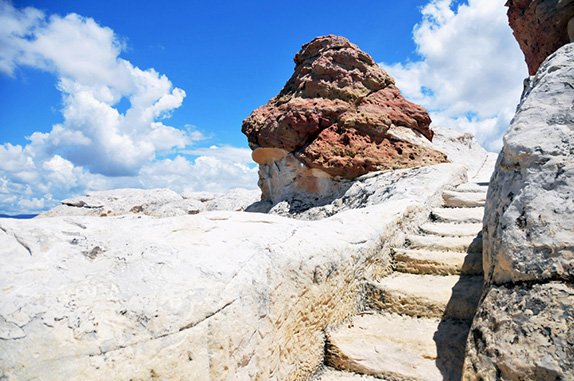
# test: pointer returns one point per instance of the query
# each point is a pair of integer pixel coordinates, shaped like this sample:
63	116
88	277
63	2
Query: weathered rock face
524	327
523	332
290	188
341	113
211	296
541	27
529	219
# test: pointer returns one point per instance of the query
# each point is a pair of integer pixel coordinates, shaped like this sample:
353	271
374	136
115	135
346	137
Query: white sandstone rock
456	215
395	347
437	262
463	148
448	243
152	202
217	295
451	229
454	199
529	216
524	327
367	190
426	295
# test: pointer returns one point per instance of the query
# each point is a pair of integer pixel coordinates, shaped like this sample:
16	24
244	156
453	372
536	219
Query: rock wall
524	326
541	27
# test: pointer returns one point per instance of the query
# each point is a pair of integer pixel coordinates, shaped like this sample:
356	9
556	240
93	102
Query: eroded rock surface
341	113
530	210
152	202
291	188
523	332
541	27
524	326
212	296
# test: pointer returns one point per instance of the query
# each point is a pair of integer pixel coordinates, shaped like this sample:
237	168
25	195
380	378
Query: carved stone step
473	187
468	215
426	295
396	347
451	229
454	199
433	242
437	262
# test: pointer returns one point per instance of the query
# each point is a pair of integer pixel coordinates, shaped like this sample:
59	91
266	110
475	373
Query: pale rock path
416	320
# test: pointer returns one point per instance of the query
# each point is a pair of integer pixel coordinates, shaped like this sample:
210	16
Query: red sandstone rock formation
341	113
540	27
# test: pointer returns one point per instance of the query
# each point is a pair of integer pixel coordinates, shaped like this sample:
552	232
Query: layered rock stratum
342	114
524	326
541	27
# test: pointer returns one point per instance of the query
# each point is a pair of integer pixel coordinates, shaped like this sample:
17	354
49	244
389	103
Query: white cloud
207	172
93	79
15	27
224	153
97	146
471	72
57	178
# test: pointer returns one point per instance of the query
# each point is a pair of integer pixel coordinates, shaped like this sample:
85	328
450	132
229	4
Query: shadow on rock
453	330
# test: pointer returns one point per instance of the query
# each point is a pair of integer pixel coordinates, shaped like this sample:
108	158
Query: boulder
342	114
523	327
541	27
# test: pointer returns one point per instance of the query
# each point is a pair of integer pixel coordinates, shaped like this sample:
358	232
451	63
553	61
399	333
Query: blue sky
100	95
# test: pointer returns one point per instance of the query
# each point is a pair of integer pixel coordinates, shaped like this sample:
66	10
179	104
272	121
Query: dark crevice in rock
568	279
82	204
23	244
191	325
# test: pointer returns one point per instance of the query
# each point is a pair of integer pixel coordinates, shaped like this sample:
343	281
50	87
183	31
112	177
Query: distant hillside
19	216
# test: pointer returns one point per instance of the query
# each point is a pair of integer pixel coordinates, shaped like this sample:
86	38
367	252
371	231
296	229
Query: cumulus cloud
93	80
96	146
215	173
471	69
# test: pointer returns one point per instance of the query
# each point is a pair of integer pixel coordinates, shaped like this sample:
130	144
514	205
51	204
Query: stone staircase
417	319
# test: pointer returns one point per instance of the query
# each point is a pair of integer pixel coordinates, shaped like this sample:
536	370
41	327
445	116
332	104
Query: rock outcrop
210	296
153	202
290	188
340	114
541	27
524	326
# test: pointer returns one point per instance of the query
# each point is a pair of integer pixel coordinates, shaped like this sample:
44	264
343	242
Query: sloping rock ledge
217	295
